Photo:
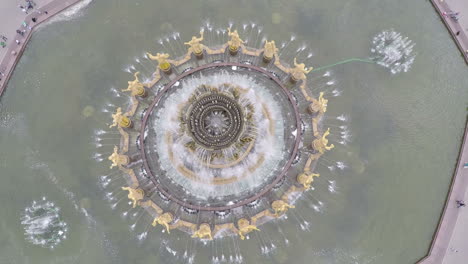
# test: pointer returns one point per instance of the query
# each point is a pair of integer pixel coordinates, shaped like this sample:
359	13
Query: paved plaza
457	26
12	19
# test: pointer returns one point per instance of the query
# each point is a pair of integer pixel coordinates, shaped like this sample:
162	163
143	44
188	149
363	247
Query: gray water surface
406	130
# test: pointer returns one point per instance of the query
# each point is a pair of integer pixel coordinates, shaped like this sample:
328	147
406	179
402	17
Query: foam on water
74	11
70	13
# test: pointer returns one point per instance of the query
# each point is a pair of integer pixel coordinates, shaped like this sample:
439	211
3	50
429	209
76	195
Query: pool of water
406	130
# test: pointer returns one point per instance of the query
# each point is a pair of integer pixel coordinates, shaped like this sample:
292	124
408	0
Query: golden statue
280	206
203	232
245	227
136	87
118	159
195	46
269	50
162	59
299	71
319	105
306	179
120	120
320	144
235	42
135	195
164	220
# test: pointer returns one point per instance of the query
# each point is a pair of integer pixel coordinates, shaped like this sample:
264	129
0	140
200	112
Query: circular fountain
392	50
43	225
211	144
227	140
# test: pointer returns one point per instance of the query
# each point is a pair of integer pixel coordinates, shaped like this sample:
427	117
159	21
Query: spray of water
393	51
42	224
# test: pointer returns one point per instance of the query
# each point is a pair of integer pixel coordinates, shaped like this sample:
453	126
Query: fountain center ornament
215	121
215	143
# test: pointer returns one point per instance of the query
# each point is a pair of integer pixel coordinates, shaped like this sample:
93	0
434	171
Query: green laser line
342	62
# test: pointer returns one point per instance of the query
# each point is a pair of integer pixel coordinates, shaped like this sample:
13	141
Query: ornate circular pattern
215	121
218	140
178	171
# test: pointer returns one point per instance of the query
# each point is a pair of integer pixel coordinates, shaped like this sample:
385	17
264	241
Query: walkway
12	19
450	244
454	27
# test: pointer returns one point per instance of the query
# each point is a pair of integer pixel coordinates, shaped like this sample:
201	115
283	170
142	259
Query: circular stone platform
203	170
216	143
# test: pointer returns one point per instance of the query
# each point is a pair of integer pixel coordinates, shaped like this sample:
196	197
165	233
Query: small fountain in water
42	224
389	49
393	51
